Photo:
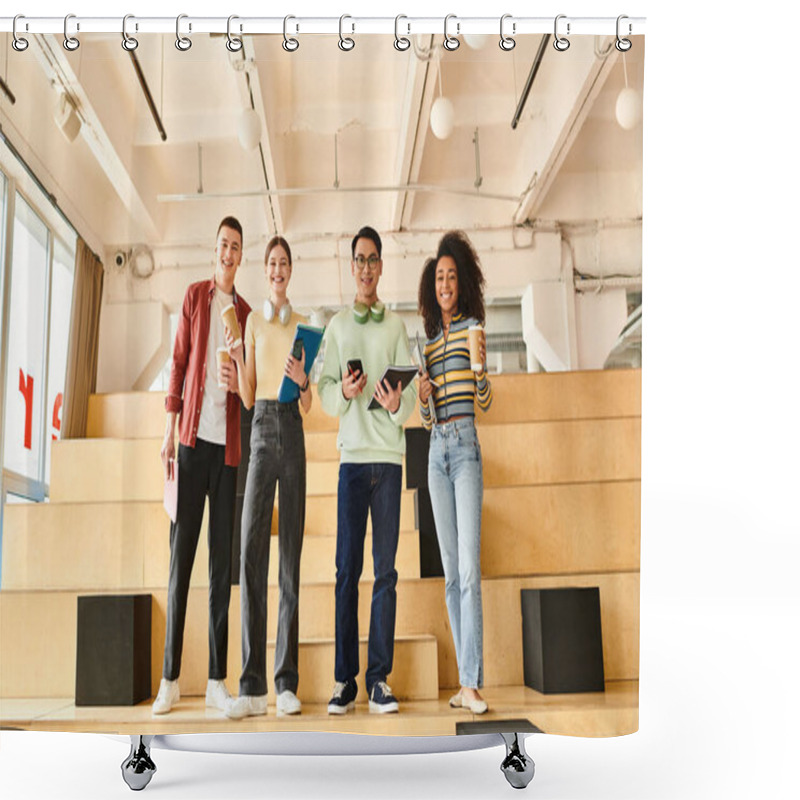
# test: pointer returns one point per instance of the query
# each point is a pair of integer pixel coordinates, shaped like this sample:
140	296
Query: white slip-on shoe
287	703
168	695
455	700
246	705
217	694
475	706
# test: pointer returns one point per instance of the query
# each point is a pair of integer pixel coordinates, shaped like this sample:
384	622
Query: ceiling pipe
149	97
412	187
537	61
7	92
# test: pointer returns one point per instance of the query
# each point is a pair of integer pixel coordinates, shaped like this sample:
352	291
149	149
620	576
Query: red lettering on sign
26	387
57	414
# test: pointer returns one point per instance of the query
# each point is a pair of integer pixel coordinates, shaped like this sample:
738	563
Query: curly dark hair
470	282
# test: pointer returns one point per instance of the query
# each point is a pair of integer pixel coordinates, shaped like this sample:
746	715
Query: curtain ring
183	43
234	43
450	42
559	42
345	43
290	44
128	42
623	45
19	43
400	42
506	42
71	43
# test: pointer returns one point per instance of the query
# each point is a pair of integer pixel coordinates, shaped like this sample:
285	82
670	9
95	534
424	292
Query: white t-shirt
213	411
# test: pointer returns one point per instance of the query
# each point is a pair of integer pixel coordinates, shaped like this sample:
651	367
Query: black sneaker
381	699
344	697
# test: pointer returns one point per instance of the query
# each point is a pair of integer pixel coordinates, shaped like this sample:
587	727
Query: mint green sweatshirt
366	436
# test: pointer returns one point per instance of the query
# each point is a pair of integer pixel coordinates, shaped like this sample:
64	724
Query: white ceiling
368	108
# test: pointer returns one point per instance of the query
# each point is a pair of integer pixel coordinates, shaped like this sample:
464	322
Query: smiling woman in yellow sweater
277	455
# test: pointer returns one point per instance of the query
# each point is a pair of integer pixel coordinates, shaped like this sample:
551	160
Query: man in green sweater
372	445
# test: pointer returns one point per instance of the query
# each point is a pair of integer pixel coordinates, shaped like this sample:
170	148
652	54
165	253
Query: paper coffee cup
232	324
223	357
474	334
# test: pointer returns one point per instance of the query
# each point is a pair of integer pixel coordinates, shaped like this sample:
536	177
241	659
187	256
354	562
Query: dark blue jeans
373	489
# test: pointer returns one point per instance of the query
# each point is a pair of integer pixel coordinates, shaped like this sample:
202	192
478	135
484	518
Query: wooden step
561	529
38	630
125	547
129	547
42	663
587	394
613	712
523	454
555	529
105	470
320	516
574	451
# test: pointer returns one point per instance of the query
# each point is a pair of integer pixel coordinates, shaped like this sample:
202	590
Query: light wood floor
611	713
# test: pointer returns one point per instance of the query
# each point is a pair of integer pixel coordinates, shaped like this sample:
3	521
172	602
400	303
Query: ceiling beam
56	67
566	118
419	96
408	135
272	204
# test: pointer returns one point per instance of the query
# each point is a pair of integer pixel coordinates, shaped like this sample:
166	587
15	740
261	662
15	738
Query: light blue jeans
455	482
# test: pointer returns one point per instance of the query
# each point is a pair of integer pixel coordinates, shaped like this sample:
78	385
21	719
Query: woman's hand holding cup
425	386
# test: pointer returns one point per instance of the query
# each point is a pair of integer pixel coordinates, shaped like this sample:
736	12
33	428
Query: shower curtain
534	151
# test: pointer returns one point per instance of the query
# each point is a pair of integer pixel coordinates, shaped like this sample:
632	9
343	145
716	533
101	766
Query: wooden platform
561	457
610	713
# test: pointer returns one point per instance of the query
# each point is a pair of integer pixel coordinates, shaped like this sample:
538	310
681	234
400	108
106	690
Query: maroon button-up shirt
188	375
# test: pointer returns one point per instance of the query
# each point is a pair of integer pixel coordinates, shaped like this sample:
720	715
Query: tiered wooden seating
561	508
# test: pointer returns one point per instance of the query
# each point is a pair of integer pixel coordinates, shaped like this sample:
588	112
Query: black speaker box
430	557
417	444
113	658
562	641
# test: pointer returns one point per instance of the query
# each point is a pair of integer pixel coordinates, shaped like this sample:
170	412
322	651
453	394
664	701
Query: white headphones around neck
284	315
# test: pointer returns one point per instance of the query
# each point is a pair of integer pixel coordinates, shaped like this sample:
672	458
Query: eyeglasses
371	262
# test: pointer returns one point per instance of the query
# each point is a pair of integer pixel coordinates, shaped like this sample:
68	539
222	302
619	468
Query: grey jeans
277	454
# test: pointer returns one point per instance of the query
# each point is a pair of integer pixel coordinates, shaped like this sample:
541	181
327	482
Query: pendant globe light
443	113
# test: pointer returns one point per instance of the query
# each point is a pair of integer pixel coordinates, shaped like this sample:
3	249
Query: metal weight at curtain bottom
138	768
517	766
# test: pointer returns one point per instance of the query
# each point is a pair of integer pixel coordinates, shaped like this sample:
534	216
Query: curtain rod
512	26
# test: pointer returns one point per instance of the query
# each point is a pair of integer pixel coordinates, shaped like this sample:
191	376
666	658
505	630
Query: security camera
120	259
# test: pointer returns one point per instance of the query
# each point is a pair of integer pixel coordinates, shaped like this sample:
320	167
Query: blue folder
312	338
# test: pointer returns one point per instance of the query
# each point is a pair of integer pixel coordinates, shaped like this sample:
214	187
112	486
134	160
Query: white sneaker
246	705
168	695
288	703
217	695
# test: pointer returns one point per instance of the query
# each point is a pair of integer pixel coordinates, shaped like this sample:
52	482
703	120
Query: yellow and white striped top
448	365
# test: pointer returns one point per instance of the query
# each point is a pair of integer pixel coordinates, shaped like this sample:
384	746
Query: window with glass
37	299
25	351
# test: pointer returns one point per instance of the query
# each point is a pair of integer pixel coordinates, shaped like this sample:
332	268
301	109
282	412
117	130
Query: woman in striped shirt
450	301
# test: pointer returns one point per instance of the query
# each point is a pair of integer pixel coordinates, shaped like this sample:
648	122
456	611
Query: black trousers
201	472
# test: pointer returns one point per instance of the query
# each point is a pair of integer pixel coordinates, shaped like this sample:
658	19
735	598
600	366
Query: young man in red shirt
208	455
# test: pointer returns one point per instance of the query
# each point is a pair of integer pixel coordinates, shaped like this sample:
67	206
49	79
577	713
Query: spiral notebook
153	176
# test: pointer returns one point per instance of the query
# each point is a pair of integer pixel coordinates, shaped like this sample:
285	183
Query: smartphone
354	365
297	349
